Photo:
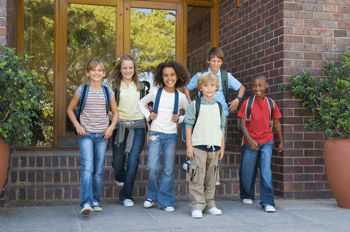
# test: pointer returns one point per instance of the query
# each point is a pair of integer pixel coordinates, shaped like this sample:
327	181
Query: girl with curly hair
163	133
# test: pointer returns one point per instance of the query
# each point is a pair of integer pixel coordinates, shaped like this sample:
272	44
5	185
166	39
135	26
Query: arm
222	149
143	106
278	128
108	133
252	143
70	112
189	146
187	93
234	104
183	105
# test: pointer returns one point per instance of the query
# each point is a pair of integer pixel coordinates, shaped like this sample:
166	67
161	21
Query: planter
337	162
4	161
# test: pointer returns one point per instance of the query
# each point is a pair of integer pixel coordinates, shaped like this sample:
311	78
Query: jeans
165	194
92	151
132	162
247	174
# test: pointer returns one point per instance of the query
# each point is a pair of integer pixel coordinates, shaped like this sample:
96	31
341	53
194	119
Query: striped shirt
94	117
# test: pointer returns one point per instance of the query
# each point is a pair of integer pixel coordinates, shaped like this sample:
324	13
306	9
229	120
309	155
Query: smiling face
208	89
259	87
215	64
169	79
96	74
127	70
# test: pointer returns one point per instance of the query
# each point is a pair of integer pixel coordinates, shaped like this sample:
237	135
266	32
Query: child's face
96	74
208	89
169	77
127	69
215	64
259	87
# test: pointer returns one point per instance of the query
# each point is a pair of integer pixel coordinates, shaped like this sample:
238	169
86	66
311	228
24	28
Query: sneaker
217	183
96	207
269	208
186	165
148	203
86	210
120	183
247	201
197	213
214	211
169	209
128	203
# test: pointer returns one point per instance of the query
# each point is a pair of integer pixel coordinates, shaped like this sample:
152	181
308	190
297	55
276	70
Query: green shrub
20	97
327	98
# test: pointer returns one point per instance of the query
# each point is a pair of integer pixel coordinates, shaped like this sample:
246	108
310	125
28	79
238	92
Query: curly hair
116	77
182	74
207	77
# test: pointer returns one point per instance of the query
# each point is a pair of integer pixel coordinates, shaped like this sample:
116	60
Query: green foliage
328	98
20	98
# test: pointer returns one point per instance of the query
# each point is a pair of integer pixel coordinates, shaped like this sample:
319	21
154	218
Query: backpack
156	103
248	111
142	93
81	104
224	82
198	107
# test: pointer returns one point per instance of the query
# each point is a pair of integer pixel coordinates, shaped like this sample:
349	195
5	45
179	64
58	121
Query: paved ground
291	215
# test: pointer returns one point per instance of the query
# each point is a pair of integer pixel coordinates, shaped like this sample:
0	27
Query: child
257	148
94	131
226	81
129	138
205	145
168	76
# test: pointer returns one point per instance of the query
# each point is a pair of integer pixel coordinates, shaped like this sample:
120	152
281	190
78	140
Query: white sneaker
214	211
217	183
269	208
128	203
169	209
86	210
197	213
120	183
248	201
186	165
96	207
148	203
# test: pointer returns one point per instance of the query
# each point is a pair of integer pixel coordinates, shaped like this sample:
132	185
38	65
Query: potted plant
328	99
20	97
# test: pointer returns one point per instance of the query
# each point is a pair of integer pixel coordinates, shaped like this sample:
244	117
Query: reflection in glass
152	39
91	32
39	43
198	38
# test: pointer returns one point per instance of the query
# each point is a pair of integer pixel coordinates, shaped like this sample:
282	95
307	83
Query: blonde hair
207	77
93	64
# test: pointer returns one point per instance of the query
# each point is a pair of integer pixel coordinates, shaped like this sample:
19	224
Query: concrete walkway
291	215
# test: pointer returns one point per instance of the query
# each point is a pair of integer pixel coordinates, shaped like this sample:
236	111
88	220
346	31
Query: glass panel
39	43
152	39
199	37
91	32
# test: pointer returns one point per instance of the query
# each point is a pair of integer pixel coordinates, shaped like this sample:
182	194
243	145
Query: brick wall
11	27
279	38
3	21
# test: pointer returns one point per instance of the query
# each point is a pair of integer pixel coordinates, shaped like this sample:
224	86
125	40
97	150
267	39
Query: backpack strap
142	90
117	96
198	107
106	93
176	103
220	108
248	108
271	106
224	83
82	101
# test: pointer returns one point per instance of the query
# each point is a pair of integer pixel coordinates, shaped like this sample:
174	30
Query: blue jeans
132	162
165	194
250	160
92	151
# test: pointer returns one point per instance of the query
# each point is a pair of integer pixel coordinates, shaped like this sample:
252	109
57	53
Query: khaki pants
202	175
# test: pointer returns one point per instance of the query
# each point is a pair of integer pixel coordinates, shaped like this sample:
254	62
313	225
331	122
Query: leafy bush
327	98
20	97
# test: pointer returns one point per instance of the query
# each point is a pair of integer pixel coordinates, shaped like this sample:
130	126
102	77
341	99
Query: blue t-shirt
219	96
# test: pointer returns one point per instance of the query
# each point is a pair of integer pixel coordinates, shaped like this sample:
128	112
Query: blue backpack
156	103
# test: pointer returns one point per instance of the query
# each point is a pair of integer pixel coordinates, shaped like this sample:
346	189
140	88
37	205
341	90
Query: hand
222	151
189	152
280	147
80	130
108	133
233	105
153	116
175	118
110	115
253	145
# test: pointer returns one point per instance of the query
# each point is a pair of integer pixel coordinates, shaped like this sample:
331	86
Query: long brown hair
115	76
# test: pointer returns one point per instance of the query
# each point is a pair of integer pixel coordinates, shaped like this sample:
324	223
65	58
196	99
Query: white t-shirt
163	123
